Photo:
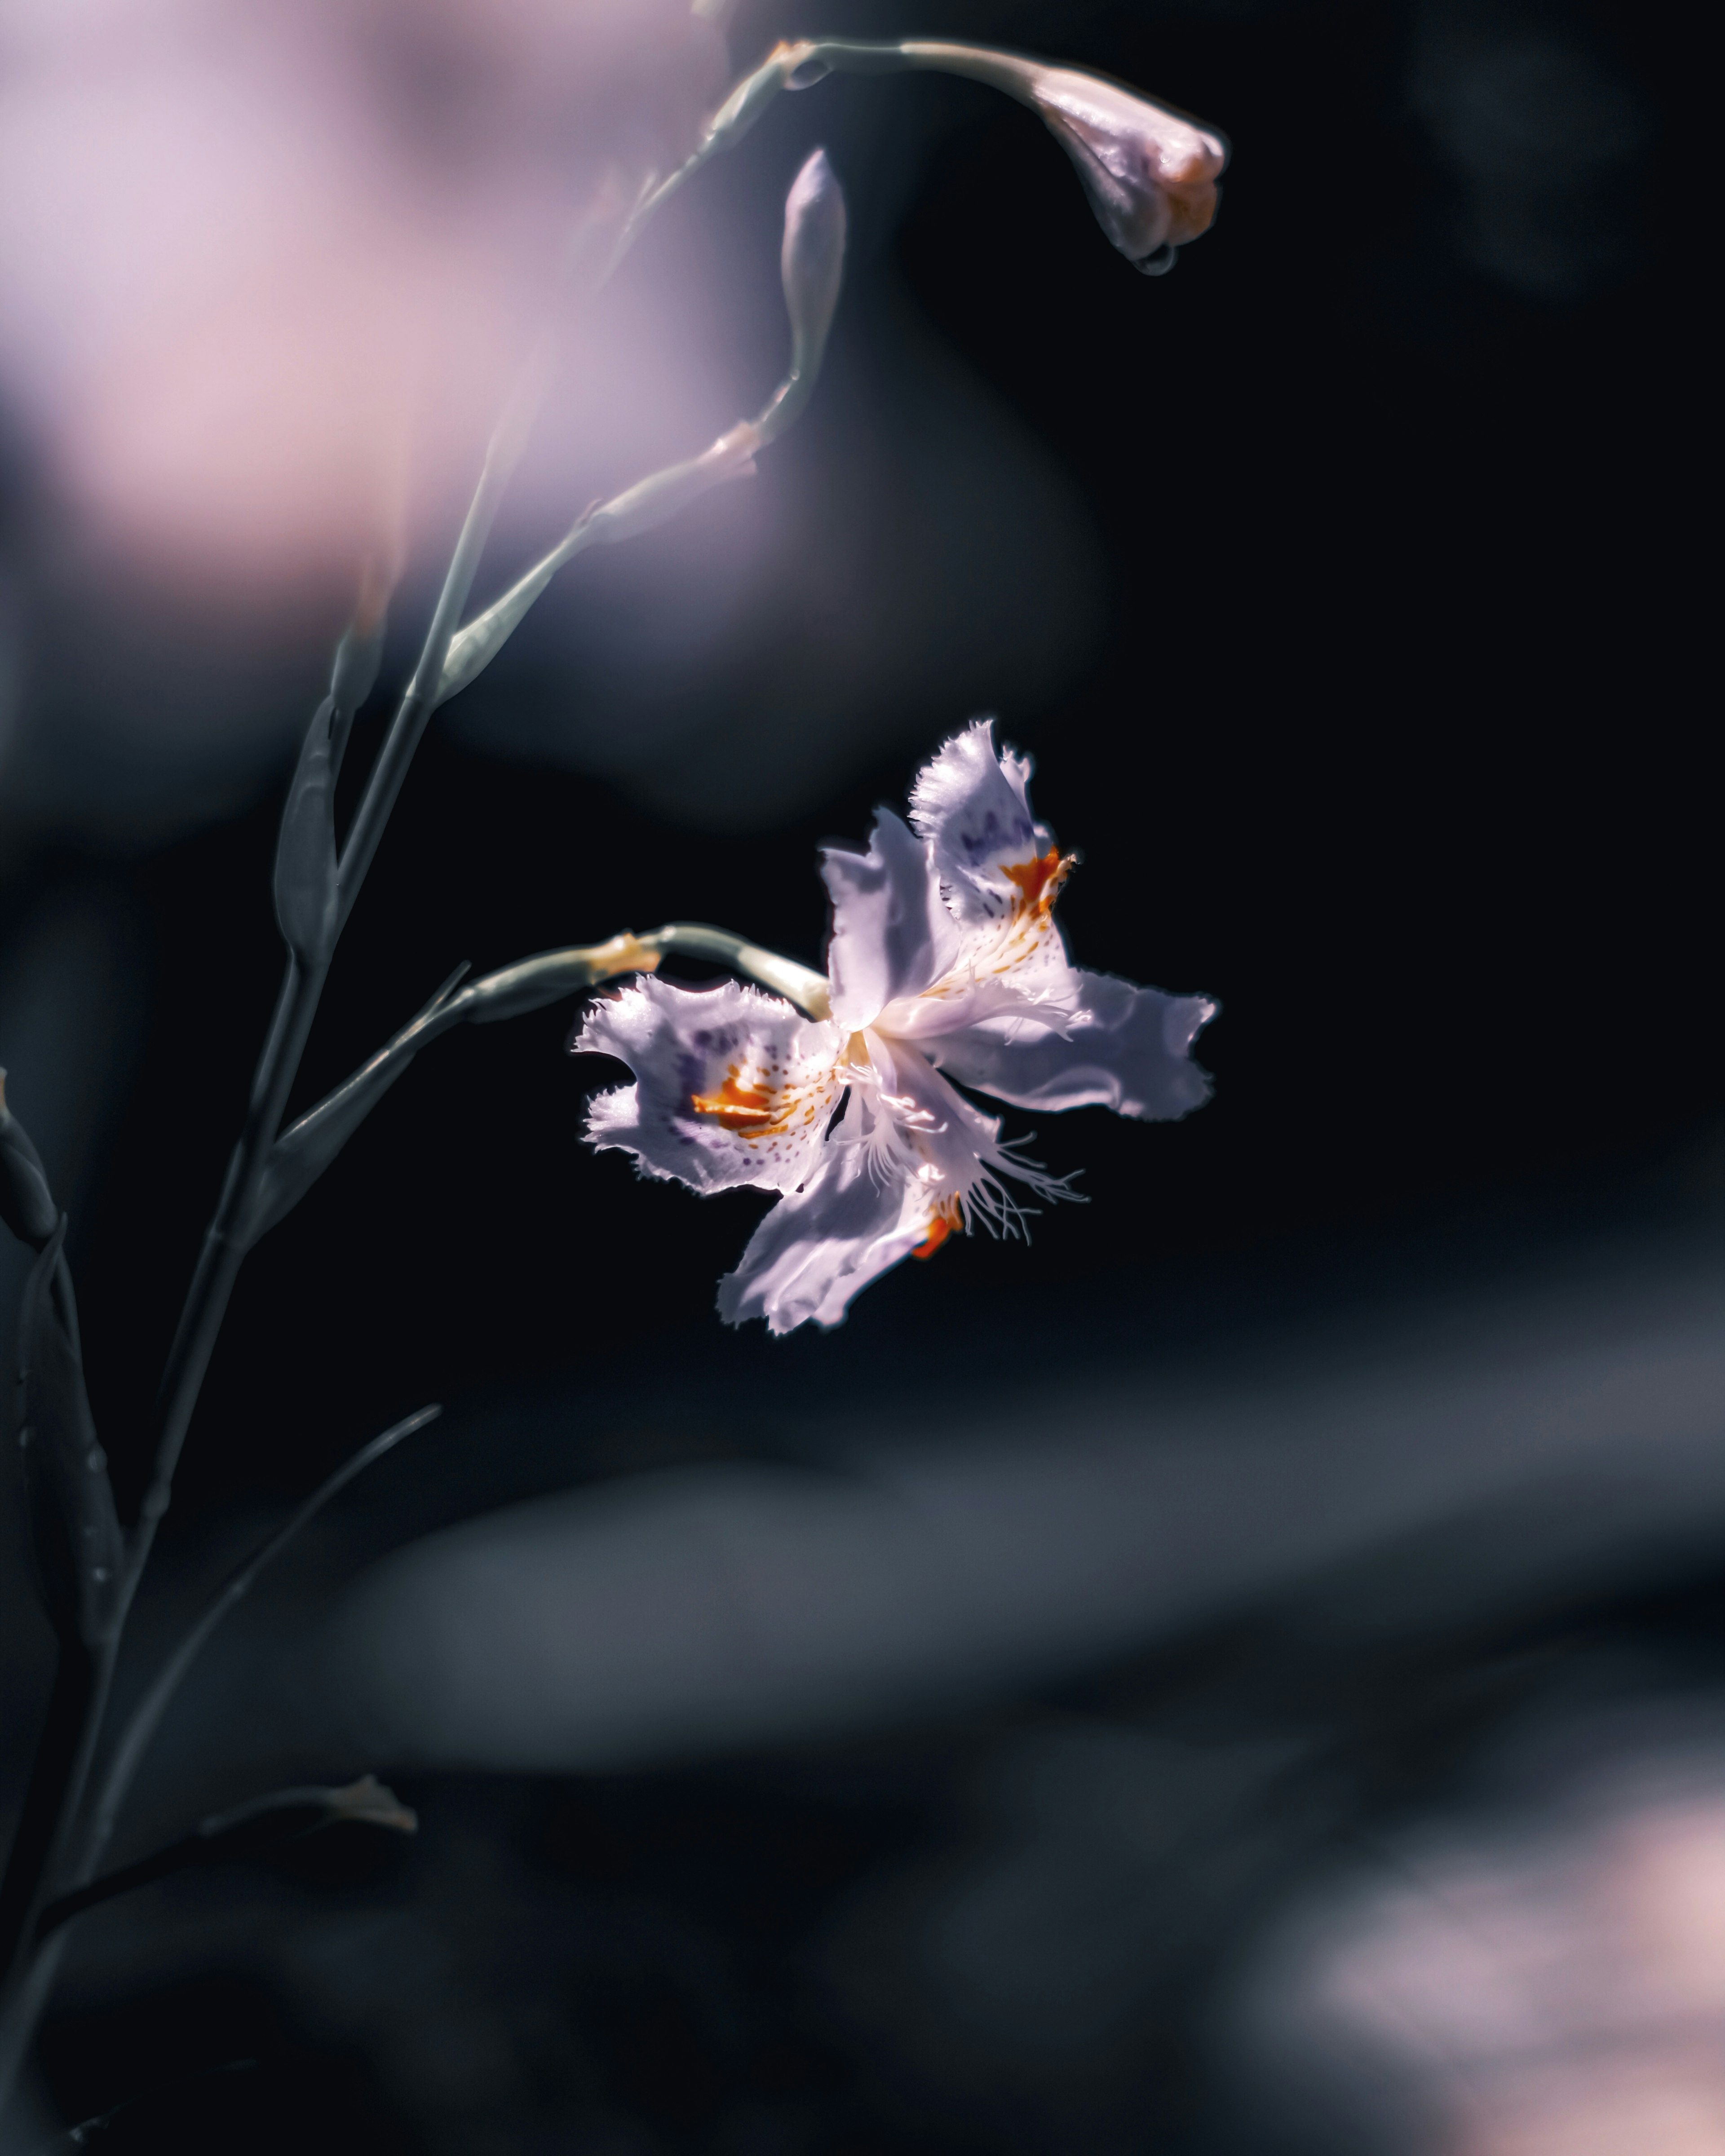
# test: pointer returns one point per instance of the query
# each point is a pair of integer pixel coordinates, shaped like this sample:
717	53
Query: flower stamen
1038	881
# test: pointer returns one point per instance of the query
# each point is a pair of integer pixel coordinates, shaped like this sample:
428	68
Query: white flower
945	963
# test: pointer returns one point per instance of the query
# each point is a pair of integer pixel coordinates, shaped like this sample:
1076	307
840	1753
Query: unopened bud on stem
812	264
1150	172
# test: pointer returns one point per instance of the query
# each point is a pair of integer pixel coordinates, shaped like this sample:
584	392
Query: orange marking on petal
946	1222
1038	879
747	1110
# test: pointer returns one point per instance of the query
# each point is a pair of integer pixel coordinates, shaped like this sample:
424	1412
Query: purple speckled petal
973	807
731	1086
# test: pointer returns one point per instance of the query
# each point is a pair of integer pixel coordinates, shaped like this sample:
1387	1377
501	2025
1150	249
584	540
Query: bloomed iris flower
946	963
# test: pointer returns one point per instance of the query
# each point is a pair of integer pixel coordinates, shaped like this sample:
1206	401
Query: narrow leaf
307	892
650	502
249	1831
473	648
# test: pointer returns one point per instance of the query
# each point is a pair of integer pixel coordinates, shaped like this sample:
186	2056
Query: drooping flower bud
1150	174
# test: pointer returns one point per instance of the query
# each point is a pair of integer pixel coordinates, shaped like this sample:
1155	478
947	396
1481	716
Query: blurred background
1241	1674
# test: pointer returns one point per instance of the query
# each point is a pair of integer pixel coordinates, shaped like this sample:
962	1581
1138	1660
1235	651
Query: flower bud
1150	172
812	260
811	265
1151	175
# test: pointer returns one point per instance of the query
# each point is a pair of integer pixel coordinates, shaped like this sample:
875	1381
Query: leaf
307	887
642	507
26	1203
249	1831
74	1529
473	648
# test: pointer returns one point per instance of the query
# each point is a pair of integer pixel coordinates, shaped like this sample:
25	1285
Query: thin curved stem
223	1251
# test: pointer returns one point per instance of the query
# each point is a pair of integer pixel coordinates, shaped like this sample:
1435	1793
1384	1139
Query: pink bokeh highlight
268	268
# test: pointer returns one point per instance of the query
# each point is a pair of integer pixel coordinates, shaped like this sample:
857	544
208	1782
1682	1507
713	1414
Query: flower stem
42	1843
55	1850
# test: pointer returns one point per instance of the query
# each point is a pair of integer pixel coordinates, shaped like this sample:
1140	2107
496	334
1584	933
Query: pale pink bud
1150	173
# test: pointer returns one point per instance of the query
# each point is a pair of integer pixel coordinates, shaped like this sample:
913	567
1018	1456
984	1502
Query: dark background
1385	744
1383	735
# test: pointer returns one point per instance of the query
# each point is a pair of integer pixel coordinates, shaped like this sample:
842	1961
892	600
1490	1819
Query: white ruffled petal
731	1086
999	873
972	805
1126	1048
817	1249
891	936
951	1149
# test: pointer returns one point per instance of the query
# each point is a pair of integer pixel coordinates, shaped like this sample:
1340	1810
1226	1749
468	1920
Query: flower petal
731	1086
971	804
918	1126
1128	1048
891	937
817	1249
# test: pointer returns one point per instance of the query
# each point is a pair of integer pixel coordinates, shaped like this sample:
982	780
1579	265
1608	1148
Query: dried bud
26	1204
1151	175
